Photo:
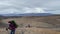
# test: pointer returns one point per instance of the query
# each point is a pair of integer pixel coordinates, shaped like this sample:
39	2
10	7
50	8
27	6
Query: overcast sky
29	6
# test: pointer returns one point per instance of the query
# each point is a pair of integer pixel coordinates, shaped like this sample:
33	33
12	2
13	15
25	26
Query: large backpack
15	25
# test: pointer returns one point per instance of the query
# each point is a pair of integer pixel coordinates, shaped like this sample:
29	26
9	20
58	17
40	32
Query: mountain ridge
29	14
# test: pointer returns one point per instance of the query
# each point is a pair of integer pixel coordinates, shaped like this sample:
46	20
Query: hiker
28	26
12	26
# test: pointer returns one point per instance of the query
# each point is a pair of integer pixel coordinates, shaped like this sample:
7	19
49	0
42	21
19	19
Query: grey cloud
19	5
50	4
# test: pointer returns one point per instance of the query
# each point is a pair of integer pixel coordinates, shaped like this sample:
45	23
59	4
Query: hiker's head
12	21
9	22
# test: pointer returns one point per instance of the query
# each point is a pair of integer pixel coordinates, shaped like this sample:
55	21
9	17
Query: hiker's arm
6	29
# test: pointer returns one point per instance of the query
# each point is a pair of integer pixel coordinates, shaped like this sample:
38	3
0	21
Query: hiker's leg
13	31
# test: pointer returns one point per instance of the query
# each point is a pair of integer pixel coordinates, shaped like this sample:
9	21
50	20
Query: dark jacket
11	27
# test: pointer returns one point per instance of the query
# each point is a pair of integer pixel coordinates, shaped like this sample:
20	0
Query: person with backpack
12	26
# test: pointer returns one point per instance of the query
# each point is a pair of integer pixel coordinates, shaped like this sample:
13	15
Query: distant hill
29	14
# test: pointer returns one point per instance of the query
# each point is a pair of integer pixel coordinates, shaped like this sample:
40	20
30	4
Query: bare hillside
37	21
